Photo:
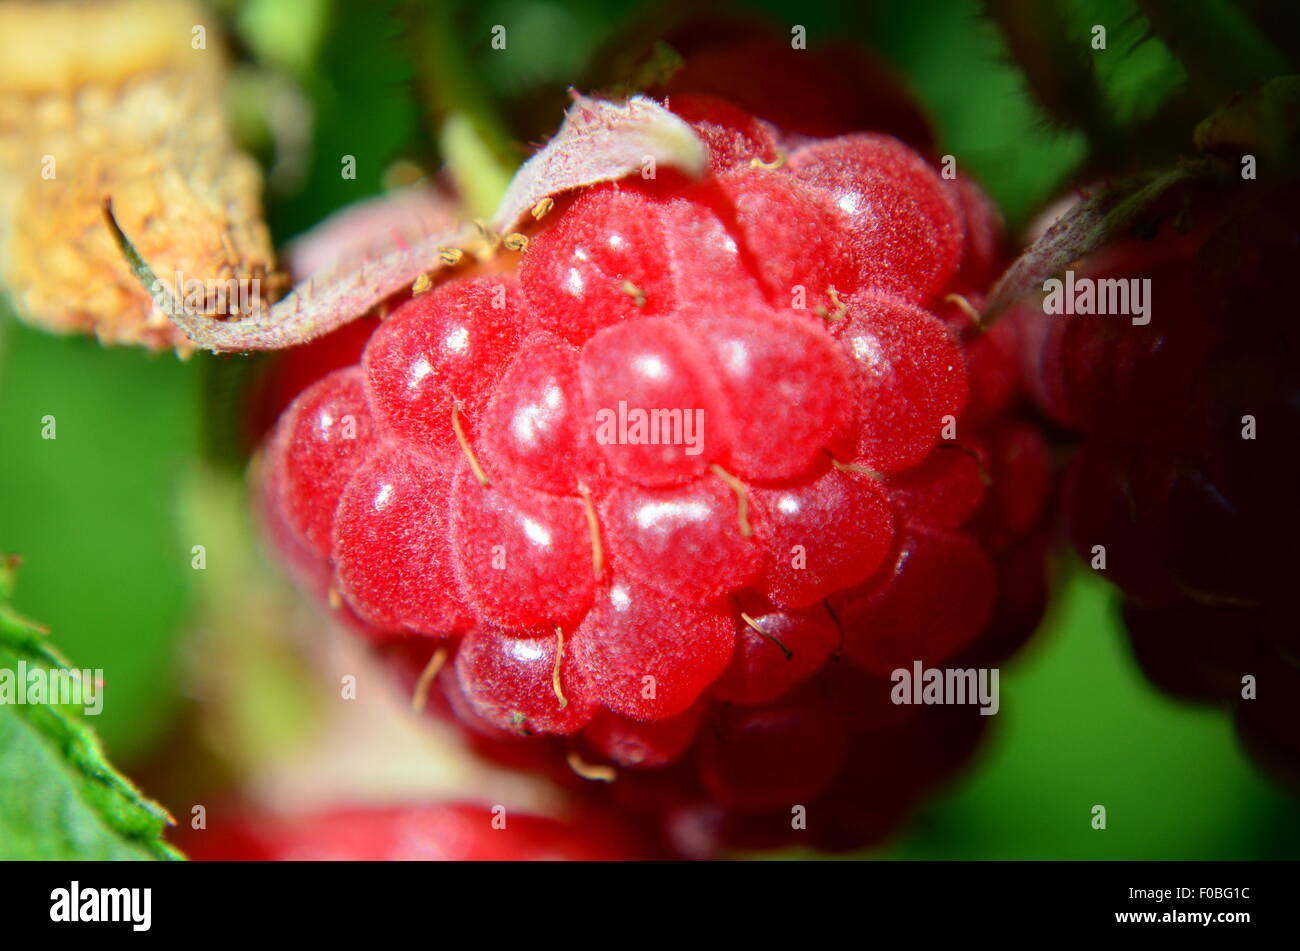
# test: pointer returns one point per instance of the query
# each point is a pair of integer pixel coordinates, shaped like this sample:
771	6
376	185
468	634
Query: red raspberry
434	833
328	431
687	489
733	136
851	513
911	375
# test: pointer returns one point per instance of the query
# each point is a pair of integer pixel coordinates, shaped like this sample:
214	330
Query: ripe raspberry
433	833
1184	483
683	491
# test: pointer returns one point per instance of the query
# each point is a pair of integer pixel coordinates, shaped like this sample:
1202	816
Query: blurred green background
98	514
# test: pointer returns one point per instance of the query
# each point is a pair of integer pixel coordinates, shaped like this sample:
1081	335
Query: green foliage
1080	726
59	797
1136	72
361	93
93	513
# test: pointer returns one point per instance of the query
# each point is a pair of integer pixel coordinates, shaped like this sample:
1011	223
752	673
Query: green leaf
59	797
93	514
1217	43
1055	63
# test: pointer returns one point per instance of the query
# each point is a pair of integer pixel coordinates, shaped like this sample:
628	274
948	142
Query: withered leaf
120	99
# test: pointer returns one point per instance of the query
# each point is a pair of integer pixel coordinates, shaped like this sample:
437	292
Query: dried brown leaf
111	99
